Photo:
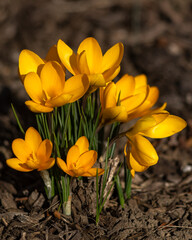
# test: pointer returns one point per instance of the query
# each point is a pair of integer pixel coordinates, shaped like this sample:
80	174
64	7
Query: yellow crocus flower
48	89
31	153
132	95
139	152
80	160
89	60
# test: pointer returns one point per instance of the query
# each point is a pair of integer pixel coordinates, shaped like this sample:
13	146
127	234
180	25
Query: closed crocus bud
141	154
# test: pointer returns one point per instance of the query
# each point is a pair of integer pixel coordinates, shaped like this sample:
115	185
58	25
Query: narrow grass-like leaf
17	119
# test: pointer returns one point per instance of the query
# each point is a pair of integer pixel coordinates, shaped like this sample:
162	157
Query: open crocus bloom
131	94
80	160
89	60
32	153
48	88
139	152
31	62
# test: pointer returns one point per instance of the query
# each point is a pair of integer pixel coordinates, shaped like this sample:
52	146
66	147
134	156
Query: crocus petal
18	165
114	114
47	165
87	160
72	156
29	62
64	167
33	87
33	138
126	86
171	125
93	172
110	95
93	54
148	122
59	100
21	149
136	165
96	80
143	151
38	108
145	107
67	57
140	81
76	86
111	73
152	96
44	151
52	55
113	57
53	79
83	144
82	63
131	103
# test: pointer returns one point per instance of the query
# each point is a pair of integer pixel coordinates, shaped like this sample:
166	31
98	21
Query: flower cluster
69	116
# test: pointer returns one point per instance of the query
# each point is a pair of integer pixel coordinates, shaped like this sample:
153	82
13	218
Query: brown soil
157	37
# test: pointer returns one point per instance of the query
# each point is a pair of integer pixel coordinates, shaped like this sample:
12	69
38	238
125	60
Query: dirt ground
157	36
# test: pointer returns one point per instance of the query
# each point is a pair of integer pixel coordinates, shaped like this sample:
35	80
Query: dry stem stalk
113	163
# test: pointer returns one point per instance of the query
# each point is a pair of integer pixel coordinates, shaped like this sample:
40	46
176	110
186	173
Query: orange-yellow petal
52	54
110	96
96	80
38	108
93	172
44	151
33	138
171	125
72	156
140	81
67	57
113	57
136	165
93	54
131	103
143	151
46	165
76	86
111	73
18	165
126	86
29	62
53	79
59	100
64	167
148	122
83	144
114	114
87	160
82	63
33	87
146	106
21	149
